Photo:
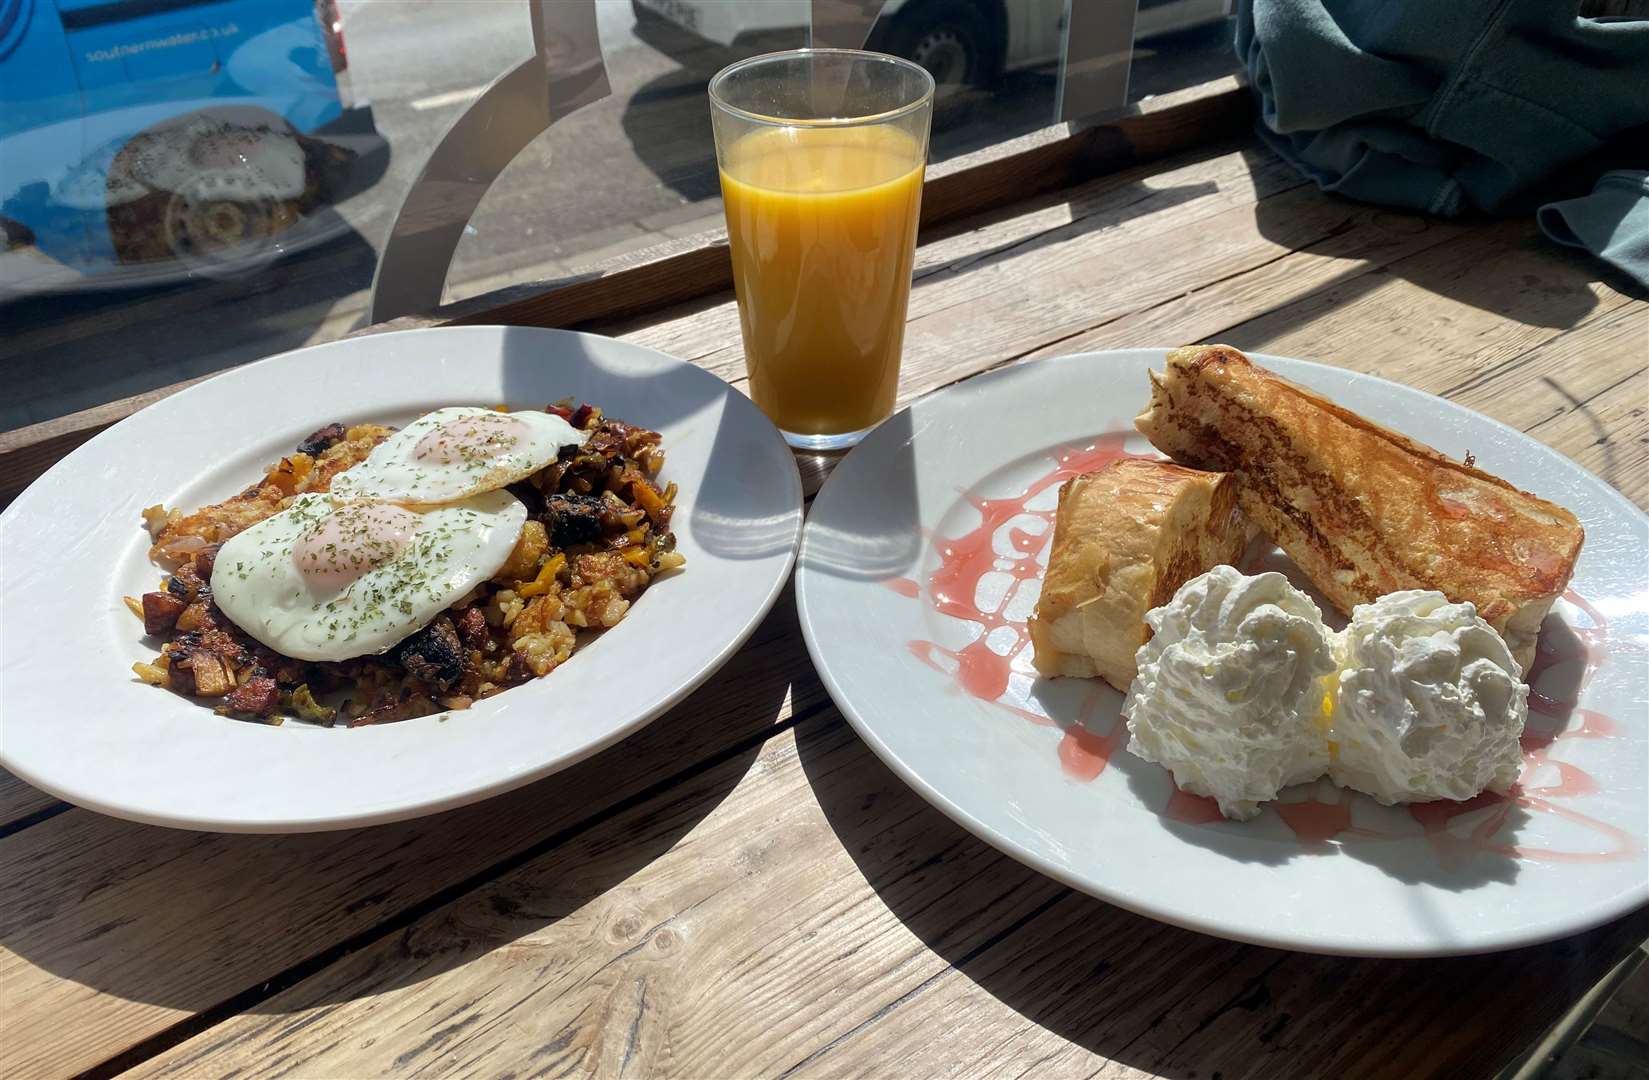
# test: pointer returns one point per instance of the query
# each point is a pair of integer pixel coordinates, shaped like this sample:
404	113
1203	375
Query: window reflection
151	141
190	184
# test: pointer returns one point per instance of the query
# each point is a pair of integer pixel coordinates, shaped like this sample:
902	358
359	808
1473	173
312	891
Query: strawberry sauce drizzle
1189	809
1315	821
904	586
979	670
1000	545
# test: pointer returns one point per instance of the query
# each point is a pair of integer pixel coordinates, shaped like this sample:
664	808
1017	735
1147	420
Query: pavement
627	172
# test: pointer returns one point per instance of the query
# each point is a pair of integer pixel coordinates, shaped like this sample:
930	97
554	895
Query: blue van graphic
144	141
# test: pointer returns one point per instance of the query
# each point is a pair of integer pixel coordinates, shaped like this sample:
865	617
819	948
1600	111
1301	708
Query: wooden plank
93	904
1608	433
21	804
1402	313
1009	308
1014	287
1627	1010
823	921
1440	311
27	452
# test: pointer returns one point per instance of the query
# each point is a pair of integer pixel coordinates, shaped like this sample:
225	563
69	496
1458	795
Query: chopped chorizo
204	560
259	696
472	628
160	611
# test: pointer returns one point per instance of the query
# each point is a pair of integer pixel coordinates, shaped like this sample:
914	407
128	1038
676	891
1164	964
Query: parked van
144	141
960	42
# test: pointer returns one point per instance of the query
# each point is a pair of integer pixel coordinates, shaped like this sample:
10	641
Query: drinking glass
822	153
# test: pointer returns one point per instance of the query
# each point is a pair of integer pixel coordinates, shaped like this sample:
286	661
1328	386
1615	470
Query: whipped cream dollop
1429	703
1229	695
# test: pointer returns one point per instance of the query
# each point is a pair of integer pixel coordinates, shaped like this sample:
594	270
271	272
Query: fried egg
457	452
330	580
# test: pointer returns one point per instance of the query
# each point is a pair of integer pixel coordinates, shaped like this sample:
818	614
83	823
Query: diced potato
195	617
212	675
530	546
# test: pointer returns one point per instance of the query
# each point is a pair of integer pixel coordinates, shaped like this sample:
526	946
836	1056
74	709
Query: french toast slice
1126	537
1361	509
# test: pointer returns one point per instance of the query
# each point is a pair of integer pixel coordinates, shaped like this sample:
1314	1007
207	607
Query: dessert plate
75	722
922	559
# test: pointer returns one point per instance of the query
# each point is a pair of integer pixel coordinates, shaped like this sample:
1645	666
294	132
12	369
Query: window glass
186	185
1180	43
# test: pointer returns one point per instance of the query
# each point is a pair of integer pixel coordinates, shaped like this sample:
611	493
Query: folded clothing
1612	222
1473	105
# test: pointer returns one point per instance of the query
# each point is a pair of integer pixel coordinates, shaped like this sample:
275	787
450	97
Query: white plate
1008	766
75	722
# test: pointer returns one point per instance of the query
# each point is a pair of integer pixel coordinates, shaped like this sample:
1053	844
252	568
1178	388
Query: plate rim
793	497
1627	902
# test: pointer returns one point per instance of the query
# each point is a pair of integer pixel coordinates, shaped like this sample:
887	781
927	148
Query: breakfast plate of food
386	576
1259	647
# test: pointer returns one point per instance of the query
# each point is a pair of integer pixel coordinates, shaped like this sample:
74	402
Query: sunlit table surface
743	889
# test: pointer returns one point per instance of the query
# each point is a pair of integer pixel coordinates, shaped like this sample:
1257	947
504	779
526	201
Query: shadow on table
1133	990
1502	266
216	921
69	351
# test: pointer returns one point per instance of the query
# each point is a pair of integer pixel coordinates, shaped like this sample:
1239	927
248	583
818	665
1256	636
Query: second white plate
923	557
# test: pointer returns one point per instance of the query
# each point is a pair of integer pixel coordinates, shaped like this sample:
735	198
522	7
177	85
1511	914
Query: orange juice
822	225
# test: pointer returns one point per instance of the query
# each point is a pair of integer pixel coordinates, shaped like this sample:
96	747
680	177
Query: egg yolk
350	541
469	439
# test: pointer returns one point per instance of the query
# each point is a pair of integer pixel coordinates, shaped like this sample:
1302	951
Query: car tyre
951	38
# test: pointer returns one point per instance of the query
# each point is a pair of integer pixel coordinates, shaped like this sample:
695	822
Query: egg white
453	548
393	471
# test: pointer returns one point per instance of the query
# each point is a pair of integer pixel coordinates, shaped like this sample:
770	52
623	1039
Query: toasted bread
1125	539
1363	510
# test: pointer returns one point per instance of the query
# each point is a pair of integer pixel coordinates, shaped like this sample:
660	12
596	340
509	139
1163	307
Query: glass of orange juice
822	153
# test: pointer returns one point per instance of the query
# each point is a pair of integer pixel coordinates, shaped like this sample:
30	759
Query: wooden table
743	889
